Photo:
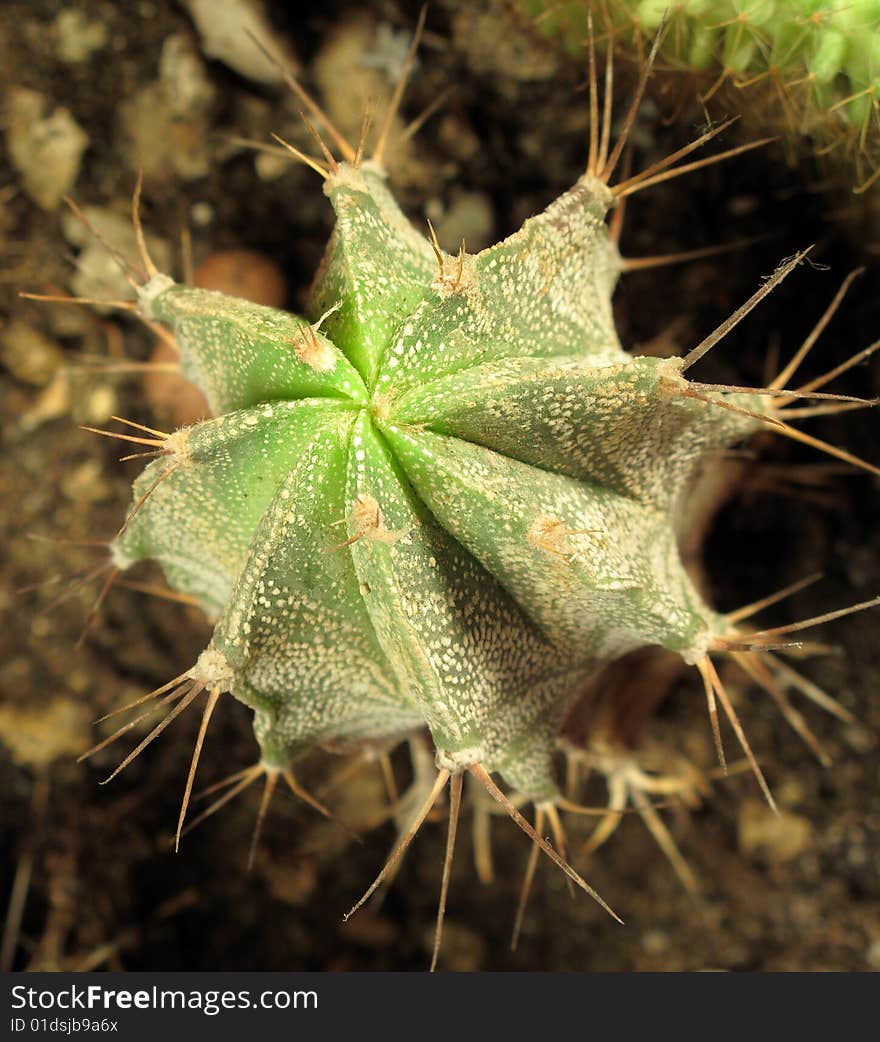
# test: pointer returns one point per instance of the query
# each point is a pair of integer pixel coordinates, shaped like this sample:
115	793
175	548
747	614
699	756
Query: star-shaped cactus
445	503
446	497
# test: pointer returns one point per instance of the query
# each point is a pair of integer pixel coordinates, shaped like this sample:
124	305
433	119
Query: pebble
29	354
201	214
243	273
97	275
182	73
46	150
458	137
350	79
494	42
860	739
86	483
52	403
655	942
78	36
168	121
765	837
469	216
227	32
36	737
270	167
101	402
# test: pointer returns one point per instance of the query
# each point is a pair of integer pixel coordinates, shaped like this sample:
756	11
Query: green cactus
505	529
444	499
820	58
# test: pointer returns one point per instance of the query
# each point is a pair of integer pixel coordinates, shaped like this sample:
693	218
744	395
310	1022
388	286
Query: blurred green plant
809	67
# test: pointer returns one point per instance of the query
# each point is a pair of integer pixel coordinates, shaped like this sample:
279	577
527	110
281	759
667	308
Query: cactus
820	60
445	497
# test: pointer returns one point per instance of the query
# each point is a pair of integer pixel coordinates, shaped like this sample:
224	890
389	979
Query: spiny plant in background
446	498
810	66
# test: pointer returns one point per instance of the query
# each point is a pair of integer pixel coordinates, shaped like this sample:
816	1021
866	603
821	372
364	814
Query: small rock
227	33
99	404
498	42
859	738
349	86
45	150
270	167
389	52
36	737
184	79
243	273
86	483
470	217
29	354
201	214
167	122
655	942
458	137
79	36
790	792
765	837
144	121
52	403
97	274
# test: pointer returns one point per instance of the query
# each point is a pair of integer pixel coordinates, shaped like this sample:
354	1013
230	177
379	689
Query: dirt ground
91	868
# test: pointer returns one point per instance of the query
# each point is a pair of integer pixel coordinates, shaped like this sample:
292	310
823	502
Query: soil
96	880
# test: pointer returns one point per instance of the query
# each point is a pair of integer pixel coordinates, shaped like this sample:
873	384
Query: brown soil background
105	890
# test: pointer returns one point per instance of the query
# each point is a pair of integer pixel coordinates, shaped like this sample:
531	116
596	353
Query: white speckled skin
448	507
